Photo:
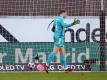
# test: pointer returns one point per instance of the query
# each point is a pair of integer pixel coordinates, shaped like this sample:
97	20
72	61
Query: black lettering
7	35
87	32
71	34
94	35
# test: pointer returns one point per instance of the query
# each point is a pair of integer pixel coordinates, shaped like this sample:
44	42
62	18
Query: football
31	65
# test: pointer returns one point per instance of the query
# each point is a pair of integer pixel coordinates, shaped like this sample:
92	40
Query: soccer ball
31	65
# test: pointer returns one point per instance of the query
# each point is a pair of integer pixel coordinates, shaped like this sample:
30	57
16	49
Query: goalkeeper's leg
50	58
63	59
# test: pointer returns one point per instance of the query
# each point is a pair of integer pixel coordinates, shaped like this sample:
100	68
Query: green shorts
59	41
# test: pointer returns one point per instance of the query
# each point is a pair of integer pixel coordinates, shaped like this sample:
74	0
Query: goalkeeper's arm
76	21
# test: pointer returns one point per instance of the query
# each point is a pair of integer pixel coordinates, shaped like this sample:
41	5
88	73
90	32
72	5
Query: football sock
51	57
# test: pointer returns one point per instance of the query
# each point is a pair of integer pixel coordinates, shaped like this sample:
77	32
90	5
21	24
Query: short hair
61	11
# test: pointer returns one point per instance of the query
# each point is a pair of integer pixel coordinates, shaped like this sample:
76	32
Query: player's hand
76	21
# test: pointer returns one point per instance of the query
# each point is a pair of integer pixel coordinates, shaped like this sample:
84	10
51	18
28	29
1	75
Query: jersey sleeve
65	25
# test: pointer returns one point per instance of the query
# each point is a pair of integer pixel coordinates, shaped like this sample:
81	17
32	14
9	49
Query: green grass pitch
53	76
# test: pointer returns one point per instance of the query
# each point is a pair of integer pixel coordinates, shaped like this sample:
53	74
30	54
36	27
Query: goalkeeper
58	29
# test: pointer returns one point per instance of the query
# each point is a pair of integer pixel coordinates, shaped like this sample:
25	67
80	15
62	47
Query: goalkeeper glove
76	21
